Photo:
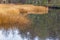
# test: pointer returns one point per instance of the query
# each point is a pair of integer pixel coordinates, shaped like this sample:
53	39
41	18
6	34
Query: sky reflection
12	35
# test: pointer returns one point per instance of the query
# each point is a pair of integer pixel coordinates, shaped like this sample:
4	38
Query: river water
16	35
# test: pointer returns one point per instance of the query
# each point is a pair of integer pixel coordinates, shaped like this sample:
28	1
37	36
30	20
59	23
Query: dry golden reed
12	15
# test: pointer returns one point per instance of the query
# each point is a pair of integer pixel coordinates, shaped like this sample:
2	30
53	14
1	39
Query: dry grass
31	9
11	14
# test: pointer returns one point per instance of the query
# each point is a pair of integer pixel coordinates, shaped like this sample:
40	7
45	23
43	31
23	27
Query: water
12	35
15	35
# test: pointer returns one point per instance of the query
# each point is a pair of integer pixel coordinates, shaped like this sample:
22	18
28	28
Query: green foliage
44	2
37	2
54	3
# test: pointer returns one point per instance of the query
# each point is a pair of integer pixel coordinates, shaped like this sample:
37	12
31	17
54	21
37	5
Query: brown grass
11	14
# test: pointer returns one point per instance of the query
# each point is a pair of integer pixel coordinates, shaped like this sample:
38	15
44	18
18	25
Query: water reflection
15	35
36	38
12	35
